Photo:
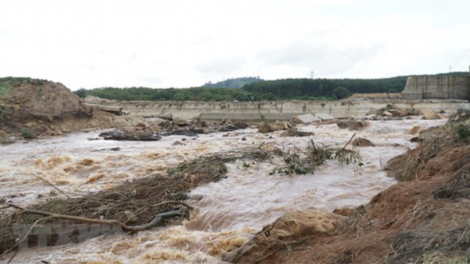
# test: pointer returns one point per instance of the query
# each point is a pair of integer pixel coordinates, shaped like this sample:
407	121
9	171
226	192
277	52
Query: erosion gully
227	212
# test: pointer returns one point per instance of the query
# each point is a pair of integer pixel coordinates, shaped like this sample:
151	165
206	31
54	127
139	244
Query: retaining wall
271	111
437	87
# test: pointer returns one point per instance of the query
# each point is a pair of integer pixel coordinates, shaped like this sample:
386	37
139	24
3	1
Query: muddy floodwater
227	212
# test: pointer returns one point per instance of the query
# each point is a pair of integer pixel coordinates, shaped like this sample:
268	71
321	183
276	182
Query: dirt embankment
424	218
32	107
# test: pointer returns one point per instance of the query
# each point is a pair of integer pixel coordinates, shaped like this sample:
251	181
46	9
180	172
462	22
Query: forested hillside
286	89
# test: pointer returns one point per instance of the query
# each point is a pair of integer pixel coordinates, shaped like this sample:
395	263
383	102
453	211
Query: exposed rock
371	117
282	125
292	132
397	112
129	136
110	149
305	119
185	132
178	143
154	121
430	114
362	142
180	122
415	130
324	116
141	125
232	127
5	138
387	113
412	111
265	128
351	125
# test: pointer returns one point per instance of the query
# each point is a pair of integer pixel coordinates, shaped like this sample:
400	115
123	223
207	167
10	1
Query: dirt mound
421	219
30	108
39	98
290	227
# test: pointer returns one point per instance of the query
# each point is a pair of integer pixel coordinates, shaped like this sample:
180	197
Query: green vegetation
8	83
81	93
341	92
233	83
462	131
256	89
172	94
299	88
28	133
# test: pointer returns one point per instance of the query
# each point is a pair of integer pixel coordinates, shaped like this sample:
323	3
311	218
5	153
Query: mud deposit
227	213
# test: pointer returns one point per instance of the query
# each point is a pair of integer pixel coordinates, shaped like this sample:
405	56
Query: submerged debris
307	161
134	203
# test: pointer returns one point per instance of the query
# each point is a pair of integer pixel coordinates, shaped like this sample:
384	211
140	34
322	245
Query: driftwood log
149	225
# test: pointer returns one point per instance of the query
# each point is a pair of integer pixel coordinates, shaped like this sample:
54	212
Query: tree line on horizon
260	90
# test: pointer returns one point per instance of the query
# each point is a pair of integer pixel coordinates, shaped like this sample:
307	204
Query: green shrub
341	93
463	132
28	133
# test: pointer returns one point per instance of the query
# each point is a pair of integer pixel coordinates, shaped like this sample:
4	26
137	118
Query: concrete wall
437	87
271	111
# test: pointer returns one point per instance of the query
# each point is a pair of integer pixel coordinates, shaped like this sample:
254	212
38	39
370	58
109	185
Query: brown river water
227	212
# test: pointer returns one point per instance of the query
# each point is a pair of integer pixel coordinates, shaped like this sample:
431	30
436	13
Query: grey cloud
326	60
221	65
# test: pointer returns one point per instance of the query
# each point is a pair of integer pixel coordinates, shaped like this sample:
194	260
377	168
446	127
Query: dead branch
51	184
349	141
149	225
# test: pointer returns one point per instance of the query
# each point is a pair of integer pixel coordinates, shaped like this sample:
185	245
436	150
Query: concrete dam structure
438	93
269	110
437	87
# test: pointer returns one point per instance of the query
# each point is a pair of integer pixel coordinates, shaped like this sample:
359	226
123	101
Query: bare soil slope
41	107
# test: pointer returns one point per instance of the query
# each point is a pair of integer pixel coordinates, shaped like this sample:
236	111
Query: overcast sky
177	43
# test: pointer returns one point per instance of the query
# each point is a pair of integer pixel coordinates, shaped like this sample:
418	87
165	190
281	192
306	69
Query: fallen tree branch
51	184
149	225
349	141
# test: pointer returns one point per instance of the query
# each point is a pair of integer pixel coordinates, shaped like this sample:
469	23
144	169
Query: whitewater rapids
228	212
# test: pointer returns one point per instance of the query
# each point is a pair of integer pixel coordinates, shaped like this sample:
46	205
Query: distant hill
233	83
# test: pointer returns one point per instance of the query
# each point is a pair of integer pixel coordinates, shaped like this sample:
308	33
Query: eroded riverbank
229	212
